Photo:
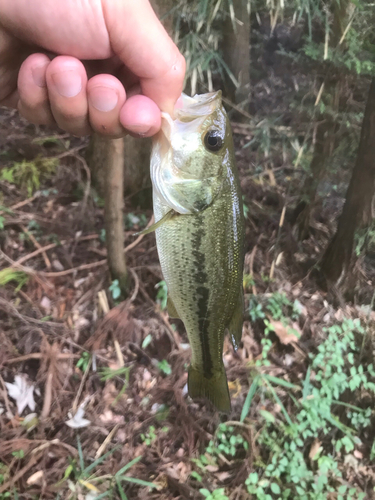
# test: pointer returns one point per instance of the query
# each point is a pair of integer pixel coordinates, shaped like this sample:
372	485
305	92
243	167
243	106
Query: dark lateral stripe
203	294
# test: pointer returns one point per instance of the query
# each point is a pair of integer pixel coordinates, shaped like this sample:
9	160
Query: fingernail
68	83
39	75
103	98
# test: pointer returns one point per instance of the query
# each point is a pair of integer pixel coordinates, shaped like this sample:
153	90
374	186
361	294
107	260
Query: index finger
146	49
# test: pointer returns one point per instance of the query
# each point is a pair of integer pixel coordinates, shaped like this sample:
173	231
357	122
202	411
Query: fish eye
213	140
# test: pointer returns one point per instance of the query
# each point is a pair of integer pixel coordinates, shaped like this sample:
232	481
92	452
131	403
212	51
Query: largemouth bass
200	235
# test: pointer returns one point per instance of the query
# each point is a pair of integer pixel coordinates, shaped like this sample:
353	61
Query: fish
199	226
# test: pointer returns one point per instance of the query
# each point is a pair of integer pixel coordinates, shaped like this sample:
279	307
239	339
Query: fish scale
201	252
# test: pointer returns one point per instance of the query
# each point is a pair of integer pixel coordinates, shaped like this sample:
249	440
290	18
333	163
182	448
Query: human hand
115	66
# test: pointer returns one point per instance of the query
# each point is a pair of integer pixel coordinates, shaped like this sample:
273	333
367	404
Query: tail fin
215	388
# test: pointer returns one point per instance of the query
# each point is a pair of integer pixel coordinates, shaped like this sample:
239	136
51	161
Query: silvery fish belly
199	234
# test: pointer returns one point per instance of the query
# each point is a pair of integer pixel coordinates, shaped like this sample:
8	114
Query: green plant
4	473
109	374
319	418
147	341
162	294
248	281
9	274
226	445
28	175
102	235
364	240
226	442
198	31
276	304
246	209
19	454
115	289
218	494
150	436
84	361
255	309
164	367
80	478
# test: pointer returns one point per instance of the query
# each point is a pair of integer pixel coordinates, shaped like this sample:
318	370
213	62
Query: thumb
140	41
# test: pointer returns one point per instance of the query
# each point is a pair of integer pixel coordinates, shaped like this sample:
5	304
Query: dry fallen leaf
77	421
315	449
35	478
22	392
286	334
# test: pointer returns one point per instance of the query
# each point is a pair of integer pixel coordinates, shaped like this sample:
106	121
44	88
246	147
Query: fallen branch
37	245
7	306
38	355
92	265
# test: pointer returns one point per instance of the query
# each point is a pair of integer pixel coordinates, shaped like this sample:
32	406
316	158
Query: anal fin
236	323
172	311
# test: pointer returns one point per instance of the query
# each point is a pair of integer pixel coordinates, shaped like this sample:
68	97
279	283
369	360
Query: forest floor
106	381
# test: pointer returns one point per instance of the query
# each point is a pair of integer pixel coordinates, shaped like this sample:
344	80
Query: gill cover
177	142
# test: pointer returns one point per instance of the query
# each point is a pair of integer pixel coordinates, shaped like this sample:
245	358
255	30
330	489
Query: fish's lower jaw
215	388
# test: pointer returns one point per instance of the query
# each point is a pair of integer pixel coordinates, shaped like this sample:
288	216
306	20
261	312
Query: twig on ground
66	272
92	265
47	394
54	245
38	355
75	402
107	440
136	285
7	486
26	270
37	252
20	204
37	245
170	332
103	301
26	319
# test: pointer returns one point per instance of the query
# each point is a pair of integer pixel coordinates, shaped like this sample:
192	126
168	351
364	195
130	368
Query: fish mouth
190	110
197	106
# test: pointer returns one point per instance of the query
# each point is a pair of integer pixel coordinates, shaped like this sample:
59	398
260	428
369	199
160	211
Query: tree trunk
357	209
236	51
113	211
136	163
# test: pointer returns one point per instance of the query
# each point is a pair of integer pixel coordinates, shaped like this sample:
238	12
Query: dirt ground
126	368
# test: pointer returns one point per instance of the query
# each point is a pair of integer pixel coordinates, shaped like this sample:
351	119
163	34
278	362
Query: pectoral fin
236	323
195	194
188	196
162	221
172	312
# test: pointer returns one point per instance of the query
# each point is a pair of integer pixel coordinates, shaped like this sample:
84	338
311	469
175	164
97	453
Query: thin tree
121	167
356	213
113	211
